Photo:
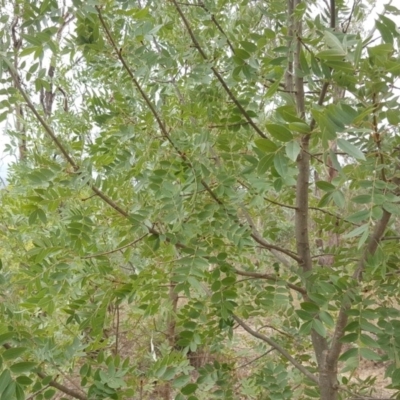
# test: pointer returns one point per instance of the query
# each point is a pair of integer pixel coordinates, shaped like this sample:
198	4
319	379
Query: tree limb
148	102
71	392
260	240
370	249
115	250
269	277
216	73
277	347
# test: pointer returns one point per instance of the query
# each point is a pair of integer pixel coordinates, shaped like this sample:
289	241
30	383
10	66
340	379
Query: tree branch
148	102
370	249
219	27
260	240
62	388
333	14
216	73
277	347
303	165
44	124
255	235
67	156
269	277
350	17
115	250
321	99
56	385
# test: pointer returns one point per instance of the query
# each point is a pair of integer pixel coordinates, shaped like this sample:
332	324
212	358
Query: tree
196	178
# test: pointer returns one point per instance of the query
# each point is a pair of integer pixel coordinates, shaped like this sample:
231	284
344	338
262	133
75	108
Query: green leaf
367	326
362	239
48	394
265	164
338	198
9	391
315	67
326	318
326	198
362	199
304	315
393	117
300	127
331	55
333	42
357	231
28	50
325	186
292	150
381	50
5	380
396	377
358	53
289	114
169	373
279	132
13	353
25	366
180	381
392	208
350	338
242	54
350	149
305	69
24	380
189	389
368	341
5	337
319	327
343	66
249	46
358	216
385	32
273	88
19	392
280	164
369	354
266	145
349	354
310	307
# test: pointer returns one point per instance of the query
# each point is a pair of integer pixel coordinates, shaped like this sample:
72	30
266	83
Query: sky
6	159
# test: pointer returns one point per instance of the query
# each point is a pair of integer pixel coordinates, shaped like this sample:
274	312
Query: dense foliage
205	203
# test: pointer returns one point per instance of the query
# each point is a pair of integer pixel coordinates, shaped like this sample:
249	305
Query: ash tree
204	202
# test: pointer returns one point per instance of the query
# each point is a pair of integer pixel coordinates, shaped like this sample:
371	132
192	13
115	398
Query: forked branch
269	277
277	347
216	73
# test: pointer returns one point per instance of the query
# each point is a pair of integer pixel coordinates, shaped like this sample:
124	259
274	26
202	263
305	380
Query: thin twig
219	27
260	240
148	102
33	396
115	250
279	204
68	157
351	16
254	360
391	238
216	73
278	348
275	329
56	385
341	322
270	277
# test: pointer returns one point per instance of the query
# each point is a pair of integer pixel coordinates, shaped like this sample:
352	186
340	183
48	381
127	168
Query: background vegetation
205	203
